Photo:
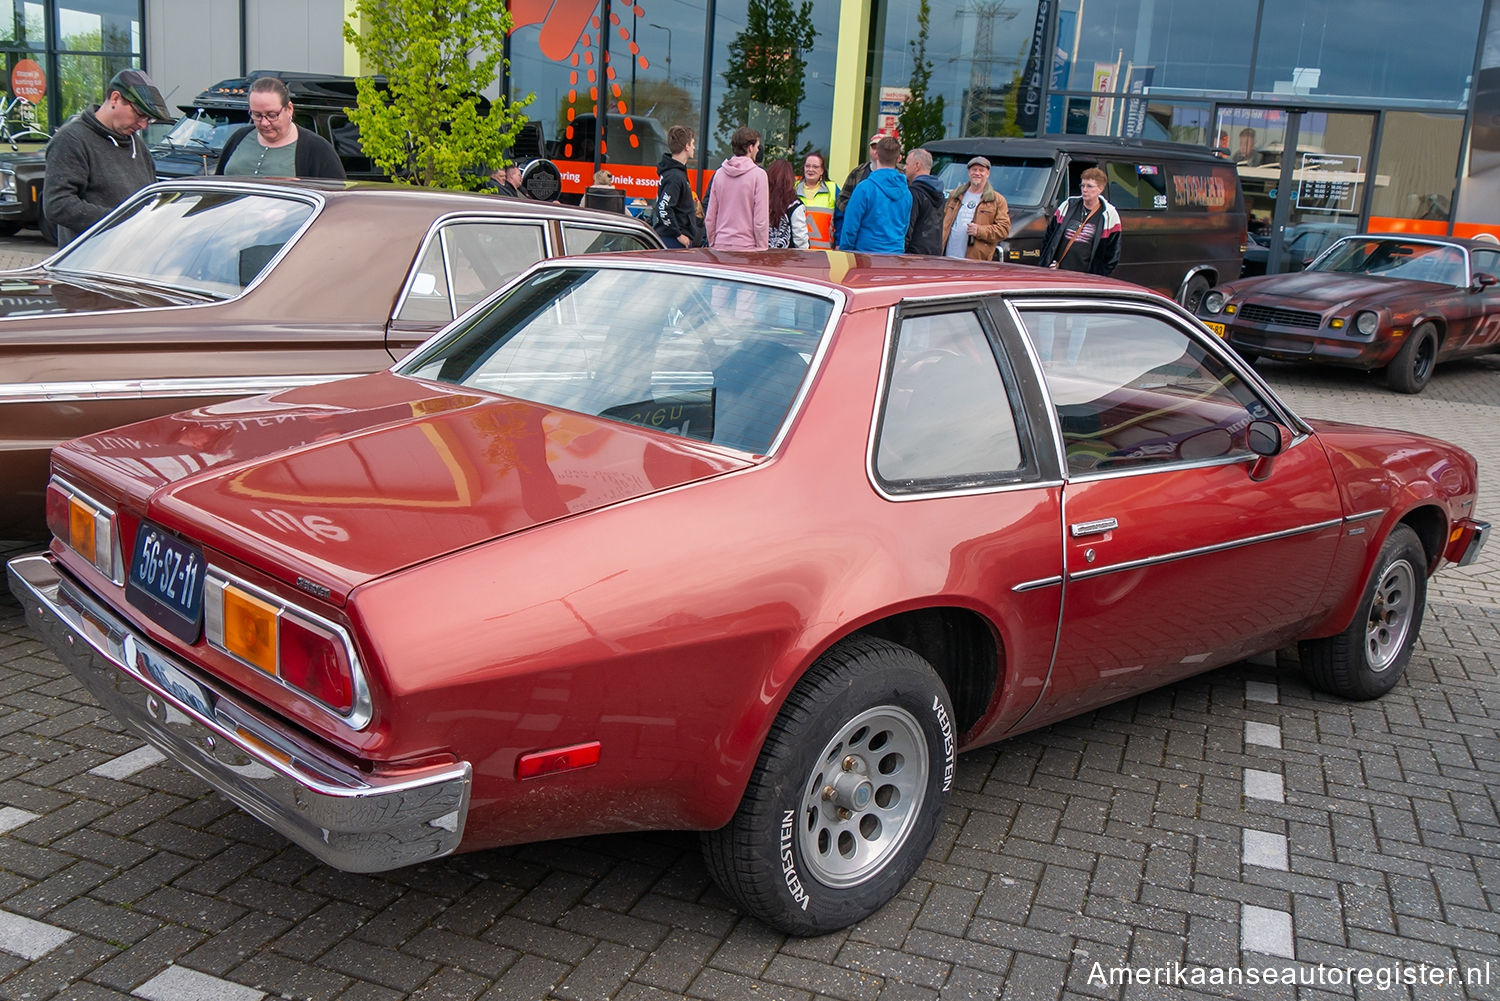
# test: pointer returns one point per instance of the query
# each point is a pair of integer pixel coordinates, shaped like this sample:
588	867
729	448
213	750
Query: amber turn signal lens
81	528
250	629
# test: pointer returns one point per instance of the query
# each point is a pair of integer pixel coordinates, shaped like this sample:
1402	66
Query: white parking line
1266	931
27	938
12	817
127	765
1264	849
1264	734
178	983
1261	691
1264	785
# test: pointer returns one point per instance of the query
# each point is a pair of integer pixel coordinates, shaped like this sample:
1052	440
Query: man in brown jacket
975	218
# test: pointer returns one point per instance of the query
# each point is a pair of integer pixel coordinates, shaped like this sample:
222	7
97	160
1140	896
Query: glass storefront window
652	83
1367	51
977	52
96	39
1417	163
1179	46
774	63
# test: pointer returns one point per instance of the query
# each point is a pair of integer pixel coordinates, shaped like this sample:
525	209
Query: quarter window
466	262
1132	391
589	240
947	416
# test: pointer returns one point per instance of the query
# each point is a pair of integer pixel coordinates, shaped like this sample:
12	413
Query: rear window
1135	185
713	359
213	243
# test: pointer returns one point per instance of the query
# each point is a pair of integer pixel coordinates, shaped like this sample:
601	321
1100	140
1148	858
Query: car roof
1093	146
1452	241
444	199
869	281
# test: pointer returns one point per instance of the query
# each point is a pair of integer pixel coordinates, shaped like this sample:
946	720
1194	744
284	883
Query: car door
1481	305
974	488
1176	559
462	261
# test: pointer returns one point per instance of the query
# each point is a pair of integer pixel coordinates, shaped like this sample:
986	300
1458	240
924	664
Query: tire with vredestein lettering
1367	659
846	795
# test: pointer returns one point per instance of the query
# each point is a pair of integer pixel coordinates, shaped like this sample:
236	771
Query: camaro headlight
1366	322
1213	301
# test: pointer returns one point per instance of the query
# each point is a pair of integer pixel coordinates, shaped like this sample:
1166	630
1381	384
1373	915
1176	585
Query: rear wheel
1413	365
1367	659
847	793
1192	295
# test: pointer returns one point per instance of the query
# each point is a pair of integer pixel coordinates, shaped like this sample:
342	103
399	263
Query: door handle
1098	527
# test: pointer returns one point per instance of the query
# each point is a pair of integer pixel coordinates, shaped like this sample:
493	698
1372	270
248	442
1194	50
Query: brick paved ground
1237	822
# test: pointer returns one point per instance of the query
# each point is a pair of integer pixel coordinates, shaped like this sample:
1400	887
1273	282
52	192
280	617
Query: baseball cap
979	161
143	95
876	138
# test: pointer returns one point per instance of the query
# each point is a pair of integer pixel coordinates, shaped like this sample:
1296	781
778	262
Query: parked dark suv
321	103
1181	206
193	145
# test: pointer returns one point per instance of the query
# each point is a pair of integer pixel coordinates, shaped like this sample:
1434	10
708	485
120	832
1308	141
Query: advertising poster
1133	122
1101	109
1062	66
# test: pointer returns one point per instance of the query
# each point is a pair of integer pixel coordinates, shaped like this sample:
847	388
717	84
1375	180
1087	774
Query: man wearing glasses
280	148
97	160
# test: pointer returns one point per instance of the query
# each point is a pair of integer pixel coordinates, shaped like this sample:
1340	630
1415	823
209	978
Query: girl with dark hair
788	217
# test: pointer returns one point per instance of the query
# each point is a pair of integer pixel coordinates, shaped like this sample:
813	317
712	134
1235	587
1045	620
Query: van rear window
1022	181
1138	186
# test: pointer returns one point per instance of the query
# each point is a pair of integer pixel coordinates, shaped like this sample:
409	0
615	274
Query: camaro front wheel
1413	364
847	793
1367	659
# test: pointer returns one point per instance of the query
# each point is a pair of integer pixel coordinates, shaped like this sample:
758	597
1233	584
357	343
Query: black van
1181	206
321	103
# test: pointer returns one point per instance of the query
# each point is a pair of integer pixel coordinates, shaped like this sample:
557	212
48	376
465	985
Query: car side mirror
1482	280
1266	439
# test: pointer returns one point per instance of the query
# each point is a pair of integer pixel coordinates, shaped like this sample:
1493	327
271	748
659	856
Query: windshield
203	129
209	242
1021	181
708	358
1408	259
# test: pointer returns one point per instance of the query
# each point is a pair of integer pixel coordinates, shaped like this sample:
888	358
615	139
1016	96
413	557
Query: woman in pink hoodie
738	214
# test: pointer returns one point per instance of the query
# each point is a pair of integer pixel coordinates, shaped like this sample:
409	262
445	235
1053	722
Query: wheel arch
1208	271
1431	526
961	645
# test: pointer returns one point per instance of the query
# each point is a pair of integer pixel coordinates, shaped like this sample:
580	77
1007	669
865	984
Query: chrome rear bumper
354	820
1481	534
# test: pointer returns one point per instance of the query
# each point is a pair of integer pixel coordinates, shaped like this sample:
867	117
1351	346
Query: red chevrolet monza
748	544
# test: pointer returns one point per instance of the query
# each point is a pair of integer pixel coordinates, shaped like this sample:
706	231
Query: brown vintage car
1390	301
197	291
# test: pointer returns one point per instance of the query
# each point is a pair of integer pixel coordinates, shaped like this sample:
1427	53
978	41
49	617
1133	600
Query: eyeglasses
266	116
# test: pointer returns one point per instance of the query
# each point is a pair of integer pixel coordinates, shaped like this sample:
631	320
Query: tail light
85	526
301	650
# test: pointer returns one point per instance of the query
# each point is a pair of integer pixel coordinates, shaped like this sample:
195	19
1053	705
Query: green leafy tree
921	117
765	77
427	124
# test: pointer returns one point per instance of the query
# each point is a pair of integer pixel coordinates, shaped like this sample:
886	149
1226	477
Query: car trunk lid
339	484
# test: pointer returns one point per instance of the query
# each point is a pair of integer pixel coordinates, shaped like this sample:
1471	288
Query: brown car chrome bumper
356	821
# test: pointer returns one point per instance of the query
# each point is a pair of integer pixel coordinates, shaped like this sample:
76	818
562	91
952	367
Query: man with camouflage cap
97	160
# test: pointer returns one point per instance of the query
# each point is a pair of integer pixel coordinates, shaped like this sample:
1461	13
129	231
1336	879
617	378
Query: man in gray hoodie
97	160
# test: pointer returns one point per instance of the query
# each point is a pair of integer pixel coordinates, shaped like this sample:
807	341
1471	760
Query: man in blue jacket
880	208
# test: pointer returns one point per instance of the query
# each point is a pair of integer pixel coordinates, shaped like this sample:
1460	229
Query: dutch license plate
1217	328
166	581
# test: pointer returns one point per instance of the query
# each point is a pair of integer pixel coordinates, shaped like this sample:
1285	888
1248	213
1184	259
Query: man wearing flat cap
98	159
975	218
